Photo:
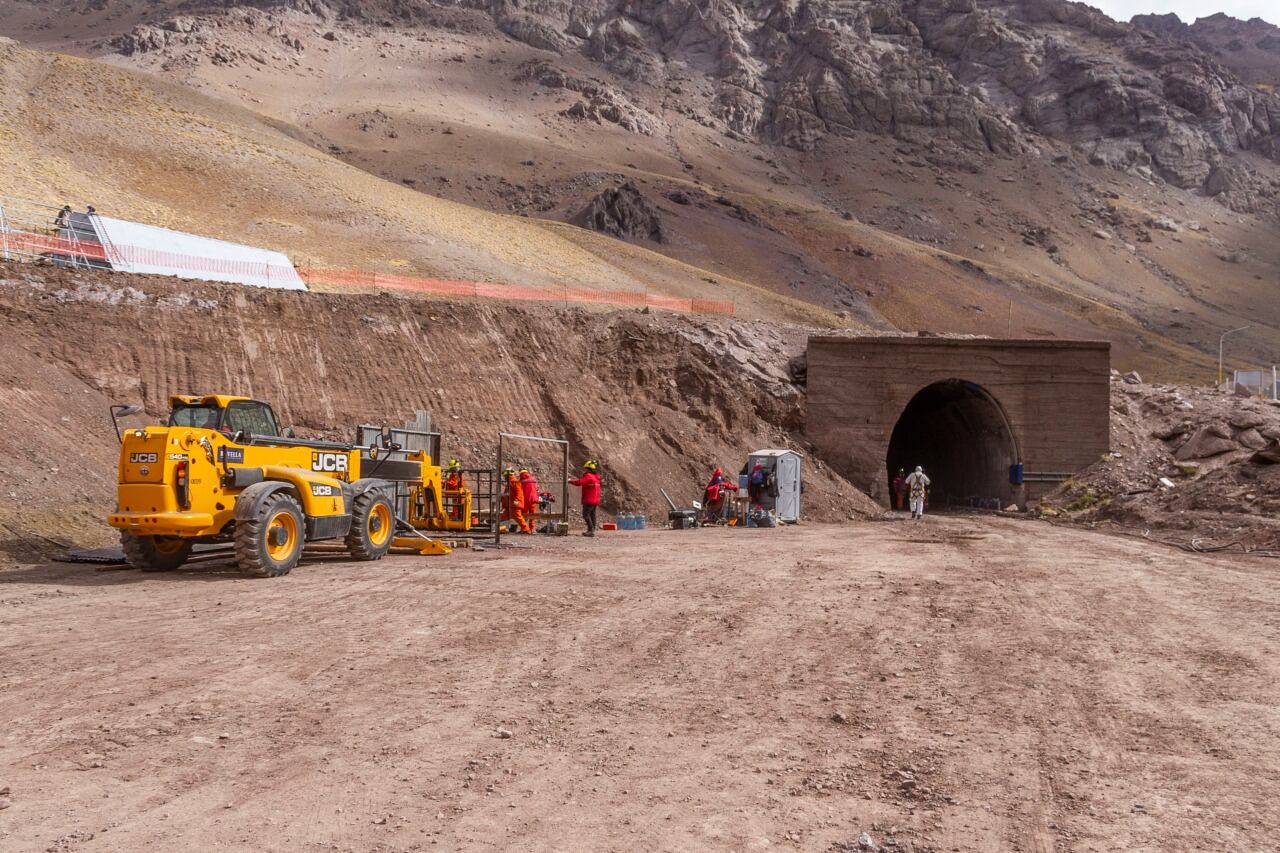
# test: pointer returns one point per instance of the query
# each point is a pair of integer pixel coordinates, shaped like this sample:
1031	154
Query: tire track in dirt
1002	684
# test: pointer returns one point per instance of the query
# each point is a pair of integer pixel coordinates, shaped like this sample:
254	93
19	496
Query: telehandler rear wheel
155	553
372	526
270	544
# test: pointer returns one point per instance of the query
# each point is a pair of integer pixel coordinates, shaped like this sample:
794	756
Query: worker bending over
590	483
714	495
918	487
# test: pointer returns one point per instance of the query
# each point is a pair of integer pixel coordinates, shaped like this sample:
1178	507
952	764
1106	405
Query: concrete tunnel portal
958	432
964	408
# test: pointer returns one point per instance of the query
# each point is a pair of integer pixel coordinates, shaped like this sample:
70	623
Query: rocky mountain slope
1015	168
1251	49
991	76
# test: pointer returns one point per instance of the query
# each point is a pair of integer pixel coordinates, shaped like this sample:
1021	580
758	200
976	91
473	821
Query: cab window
250	417
201	417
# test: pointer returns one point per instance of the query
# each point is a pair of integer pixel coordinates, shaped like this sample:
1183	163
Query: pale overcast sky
1189	10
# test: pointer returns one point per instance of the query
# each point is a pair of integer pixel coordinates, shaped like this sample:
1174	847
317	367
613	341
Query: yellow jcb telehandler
221	470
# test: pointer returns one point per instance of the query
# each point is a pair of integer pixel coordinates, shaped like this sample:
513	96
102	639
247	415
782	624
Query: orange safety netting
43	244
491	290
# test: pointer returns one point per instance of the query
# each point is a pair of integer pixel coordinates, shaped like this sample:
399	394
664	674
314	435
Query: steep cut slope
140	148
659	400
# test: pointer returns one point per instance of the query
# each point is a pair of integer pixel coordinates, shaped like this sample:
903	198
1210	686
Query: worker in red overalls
900	488
529	484
513	504
454	485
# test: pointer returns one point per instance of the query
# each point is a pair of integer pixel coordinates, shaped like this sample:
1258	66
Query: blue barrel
640	521
1015	474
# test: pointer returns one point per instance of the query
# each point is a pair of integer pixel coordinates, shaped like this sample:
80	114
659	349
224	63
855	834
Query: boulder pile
1196	461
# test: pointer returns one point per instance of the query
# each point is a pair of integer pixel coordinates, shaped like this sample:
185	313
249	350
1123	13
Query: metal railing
32	231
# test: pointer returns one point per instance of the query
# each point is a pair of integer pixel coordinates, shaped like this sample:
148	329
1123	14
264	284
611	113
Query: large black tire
372	526
155	553
270	544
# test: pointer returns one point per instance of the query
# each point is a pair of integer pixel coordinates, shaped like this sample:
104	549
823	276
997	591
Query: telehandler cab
221	470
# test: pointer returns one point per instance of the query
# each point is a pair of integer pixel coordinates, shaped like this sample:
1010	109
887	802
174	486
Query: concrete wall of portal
1055	395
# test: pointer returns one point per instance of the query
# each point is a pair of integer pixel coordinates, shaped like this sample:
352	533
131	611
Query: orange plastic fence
38	244
491	290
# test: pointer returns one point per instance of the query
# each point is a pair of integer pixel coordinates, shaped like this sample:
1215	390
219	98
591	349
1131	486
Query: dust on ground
961	684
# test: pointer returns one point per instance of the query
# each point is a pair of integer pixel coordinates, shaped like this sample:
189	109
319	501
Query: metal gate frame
503	437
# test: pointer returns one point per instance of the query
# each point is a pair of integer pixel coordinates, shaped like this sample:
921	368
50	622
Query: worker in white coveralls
917	486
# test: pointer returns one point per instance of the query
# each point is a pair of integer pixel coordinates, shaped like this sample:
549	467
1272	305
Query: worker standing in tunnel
918	487
900	489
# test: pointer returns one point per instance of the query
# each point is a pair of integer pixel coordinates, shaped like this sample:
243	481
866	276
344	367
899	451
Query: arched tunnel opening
959	434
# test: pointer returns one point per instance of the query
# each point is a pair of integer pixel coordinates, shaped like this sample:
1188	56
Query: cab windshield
241	416
251	418
198	416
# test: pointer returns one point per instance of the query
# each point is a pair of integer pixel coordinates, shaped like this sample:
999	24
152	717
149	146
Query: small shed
784	497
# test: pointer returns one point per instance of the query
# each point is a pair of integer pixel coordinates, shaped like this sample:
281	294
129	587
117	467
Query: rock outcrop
623	212
1251	49
600	102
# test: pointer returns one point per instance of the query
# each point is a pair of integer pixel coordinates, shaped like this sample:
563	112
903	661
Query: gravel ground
965	683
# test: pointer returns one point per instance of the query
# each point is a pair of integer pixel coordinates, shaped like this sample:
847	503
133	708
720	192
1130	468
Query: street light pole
1222	338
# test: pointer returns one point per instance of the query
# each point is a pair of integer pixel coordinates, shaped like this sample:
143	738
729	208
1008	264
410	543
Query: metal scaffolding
35	232
503	438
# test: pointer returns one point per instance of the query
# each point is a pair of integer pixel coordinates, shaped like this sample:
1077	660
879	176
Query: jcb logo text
144	458
334	462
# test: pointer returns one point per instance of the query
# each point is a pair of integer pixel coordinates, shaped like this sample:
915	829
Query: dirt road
960	684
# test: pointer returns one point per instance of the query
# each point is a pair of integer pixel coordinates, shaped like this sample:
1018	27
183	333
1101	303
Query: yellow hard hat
589	465
454	463
524	470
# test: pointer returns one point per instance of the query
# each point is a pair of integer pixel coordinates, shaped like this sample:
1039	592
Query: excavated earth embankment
660	400
1187	464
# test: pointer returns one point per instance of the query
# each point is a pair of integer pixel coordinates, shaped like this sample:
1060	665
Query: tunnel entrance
959	433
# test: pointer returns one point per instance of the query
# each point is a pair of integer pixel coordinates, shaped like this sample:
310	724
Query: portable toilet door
787	476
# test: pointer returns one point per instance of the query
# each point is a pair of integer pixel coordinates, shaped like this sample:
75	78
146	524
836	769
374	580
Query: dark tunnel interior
959	434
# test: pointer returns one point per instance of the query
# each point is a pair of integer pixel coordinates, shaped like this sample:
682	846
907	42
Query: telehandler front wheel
155	553
373	524
270	544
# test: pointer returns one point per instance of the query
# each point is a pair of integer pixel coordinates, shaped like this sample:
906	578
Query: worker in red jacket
530	485
590	483
714	495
